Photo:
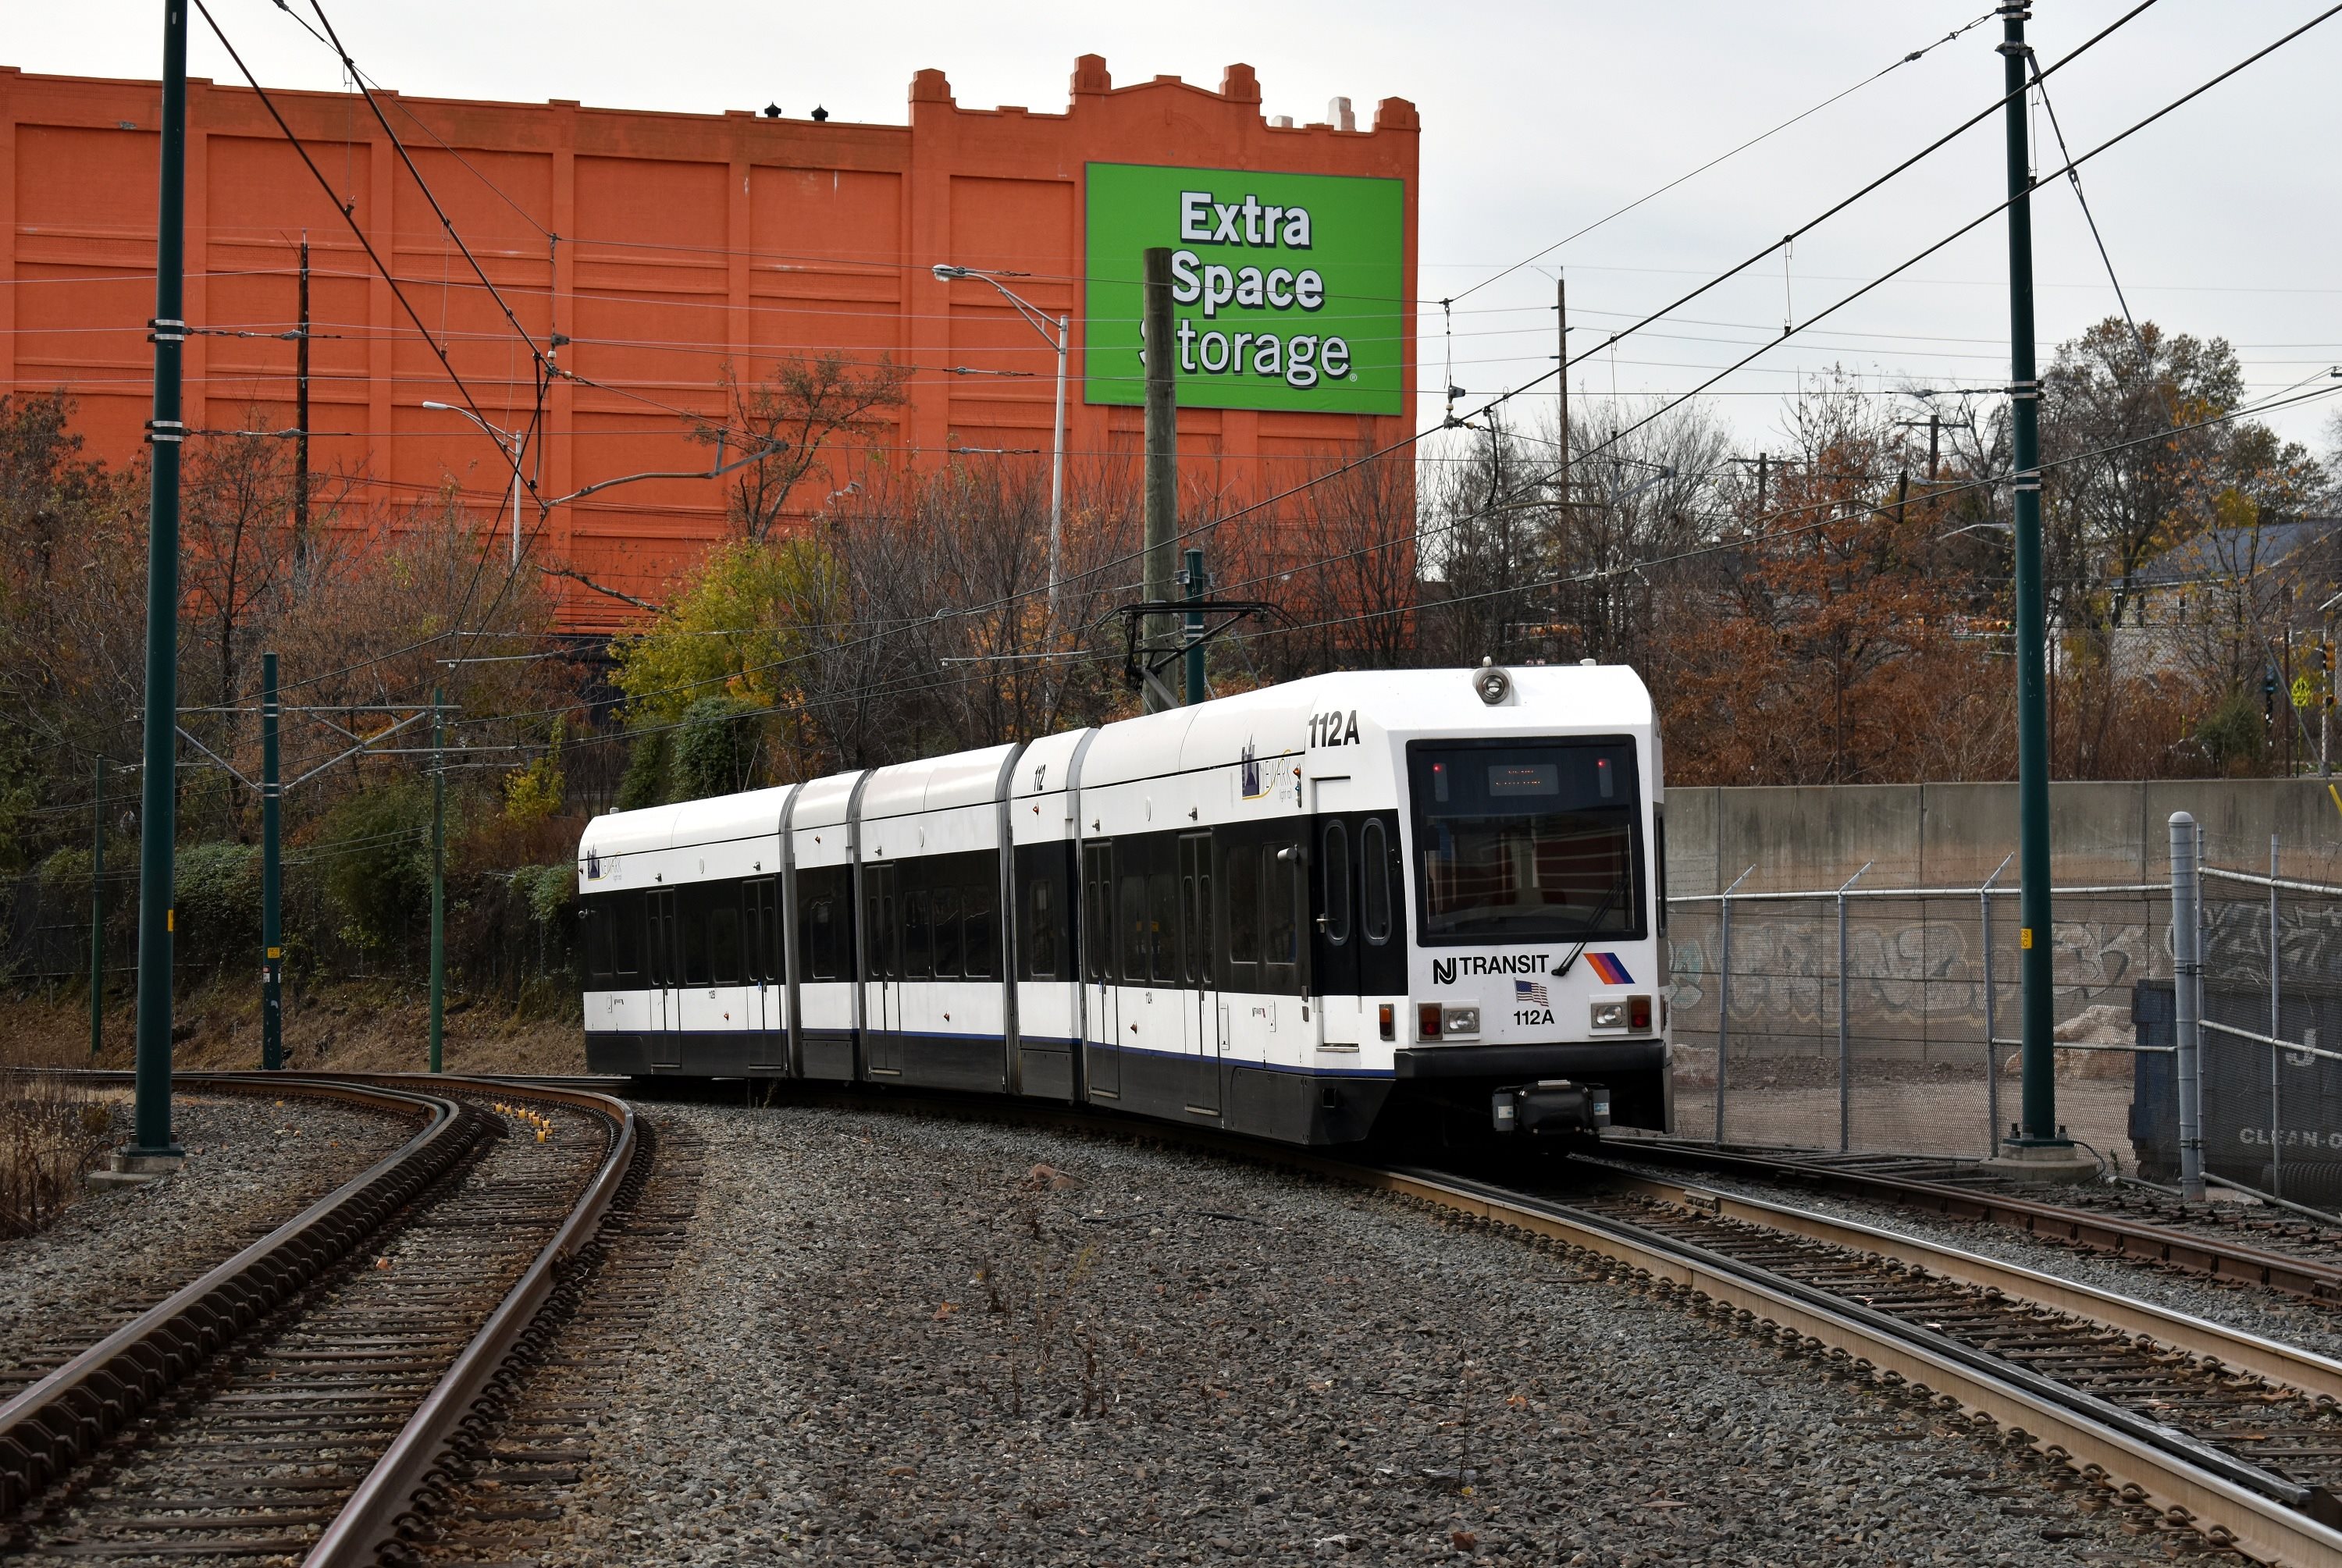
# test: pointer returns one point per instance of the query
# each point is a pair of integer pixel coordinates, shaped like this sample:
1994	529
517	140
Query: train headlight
1610	1014
1454	1021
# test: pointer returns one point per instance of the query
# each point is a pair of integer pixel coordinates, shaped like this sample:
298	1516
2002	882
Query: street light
944	273
513	444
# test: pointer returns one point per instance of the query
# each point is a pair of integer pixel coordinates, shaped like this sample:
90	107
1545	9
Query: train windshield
1528	841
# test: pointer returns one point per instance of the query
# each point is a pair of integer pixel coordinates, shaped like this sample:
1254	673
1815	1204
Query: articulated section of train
1352	904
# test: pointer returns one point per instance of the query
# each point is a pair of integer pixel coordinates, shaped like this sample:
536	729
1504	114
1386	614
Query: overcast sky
1540	118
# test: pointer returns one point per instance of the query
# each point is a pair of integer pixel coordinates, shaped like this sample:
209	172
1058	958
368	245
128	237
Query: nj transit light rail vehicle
1355	904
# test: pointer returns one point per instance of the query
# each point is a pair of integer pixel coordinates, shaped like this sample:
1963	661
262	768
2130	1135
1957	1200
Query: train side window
821	938
723	938
1162	925
919	938
1130	916
1373	864
695	936
978	950
1244	904
946	908
598	920
1337	882
1280	922
1196	908
1040	934
623	914
1097	911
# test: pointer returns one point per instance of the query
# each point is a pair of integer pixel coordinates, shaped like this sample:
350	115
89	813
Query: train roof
933	784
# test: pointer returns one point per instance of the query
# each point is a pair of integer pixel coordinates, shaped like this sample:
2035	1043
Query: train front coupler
1551	1105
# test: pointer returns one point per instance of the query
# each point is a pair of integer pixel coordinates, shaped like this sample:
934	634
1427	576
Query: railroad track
2191	1427
321	1393
2280	1252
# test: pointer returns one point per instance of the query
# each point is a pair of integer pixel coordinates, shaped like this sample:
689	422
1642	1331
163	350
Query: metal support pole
1196	580
516	502
1723	991
1991	1049
301	419
2039	998
1561	311
98	908
1057	471
2186	971
1844	1035
438	878
1161	453
2277	1171
272	879
158	822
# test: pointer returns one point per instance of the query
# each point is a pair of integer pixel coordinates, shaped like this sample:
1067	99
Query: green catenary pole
1194	657
272	880
158	820
98	908
2039	1058
439	879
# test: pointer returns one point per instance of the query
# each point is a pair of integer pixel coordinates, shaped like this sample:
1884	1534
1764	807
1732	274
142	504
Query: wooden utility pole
1161	462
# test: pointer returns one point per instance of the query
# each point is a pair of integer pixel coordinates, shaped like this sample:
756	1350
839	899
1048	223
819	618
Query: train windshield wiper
1600	911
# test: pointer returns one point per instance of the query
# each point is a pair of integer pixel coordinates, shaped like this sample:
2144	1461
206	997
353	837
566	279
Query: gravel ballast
252	1164
896	1339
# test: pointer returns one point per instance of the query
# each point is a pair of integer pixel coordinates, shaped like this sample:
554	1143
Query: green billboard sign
1285	287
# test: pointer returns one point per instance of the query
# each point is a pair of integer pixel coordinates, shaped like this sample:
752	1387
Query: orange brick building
661	246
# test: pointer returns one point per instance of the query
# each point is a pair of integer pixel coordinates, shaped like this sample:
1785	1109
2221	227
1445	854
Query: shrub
215	895
645	782
715	748
375	850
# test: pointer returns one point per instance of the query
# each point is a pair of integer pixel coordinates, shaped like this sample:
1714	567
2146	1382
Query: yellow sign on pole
2304	692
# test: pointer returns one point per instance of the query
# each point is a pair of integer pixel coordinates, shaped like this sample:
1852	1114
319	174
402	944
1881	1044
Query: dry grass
51	1133
358	1026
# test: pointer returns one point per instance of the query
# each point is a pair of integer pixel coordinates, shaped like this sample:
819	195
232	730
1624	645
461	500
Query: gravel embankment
2254	1309
890	1339
252	1164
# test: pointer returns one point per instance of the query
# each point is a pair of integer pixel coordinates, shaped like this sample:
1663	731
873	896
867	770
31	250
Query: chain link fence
1868	1019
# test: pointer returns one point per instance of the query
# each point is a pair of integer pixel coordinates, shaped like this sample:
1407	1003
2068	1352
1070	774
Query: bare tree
789	420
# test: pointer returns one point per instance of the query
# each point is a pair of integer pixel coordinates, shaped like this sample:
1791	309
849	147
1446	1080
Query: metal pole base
136	1167
2043	1163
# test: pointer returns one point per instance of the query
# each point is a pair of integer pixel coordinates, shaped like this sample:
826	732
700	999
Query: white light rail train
1349	906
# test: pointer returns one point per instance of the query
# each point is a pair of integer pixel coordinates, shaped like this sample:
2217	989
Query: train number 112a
1334	729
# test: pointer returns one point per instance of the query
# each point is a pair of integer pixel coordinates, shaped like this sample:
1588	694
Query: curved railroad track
2274	1249
321	1393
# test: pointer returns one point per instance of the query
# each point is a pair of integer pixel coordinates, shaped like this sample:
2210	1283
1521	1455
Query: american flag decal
1531	990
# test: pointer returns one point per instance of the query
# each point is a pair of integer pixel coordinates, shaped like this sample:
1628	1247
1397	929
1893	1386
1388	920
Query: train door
1102	1022
666	962
1335	974
1197	988
760	915
881	1003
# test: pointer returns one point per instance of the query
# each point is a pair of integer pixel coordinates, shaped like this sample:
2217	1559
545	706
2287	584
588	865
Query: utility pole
438	877
1561	315
1194	579
152	1148
98	908
2040	1144
272	880
1162	457
301	420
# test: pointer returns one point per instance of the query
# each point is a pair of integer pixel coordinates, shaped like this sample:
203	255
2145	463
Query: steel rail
2236	1503
59	1422
2289	1366
2194	1251
389	1501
